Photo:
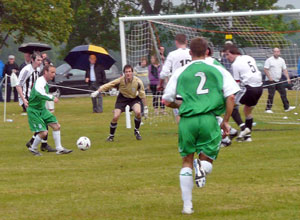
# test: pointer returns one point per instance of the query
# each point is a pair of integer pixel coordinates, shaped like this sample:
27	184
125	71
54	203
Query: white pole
205	15
123	42
127	114
5	94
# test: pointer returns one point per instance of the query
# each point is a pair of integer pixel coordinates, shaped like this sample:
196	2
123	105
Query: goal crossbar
122	20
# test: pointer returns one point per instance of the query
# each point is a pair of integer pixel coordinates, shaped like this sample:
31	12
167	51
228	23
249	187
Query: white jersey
246	72
275	67
26	79
175	59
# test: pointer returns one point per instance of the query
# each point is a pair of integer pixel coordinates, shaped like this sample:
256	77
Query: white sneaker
187	211
243	133
269	111
248	139
290	108
200	174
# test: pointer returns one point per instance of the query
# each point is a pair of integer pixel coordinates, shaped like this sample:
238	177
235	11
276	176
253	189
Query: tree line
68	23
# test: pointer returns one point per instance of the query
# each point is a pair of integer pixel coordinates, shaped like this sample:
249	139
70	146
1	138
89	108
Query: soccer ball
83	143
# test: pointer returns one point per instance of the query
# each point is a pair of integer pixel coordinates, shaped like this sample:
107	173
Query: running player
175	59
27	78
39	118
246	73
209	93
132	93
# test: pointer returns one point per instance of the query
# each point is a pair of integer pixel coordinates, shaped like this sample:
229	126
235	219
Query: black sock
33	137
44	141
137	123
242	126
249	123
113	127
237	117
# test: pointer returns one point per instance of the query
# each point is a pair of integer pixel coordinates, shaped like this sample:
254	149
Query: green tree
47	21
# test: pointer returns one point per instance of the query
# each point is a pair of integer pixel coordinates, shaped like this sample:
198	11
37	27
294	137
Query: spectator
95	77
274	66
27	60
44	57
141	71
153	73
9	68
162	54
1	77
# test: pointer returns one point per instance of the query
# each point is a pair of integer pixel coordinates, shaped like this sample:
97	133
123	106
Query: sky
283	3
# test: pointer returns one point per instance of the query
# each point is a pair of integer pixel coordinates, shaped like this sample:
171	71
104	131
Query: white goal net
255	33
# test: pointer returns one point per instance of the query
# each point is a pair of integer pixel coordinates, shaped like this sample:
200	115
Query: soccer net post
142	36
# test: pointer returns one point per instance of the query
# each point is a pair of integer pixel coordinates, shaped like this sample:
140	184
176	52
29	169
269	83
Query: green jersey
39	94
202	86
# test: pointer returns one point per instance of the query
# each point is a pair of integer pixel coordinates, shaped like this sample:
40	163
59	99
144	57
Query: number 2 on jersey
200	90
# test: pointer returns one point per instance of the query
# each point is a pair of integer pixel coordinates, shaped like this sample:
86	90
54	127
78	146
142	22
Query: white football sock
57	141
206	166
186	185
36	142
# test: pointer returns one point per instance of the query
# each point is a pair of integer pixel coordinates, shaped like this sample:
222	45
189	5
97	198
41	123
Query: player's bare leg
57	139
137	120
114	124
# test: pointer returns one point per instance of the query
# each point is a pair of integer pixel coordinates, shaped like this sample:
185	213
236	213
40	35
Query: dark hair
47	60
35	55
232	49
46	68
180	38
127	66
198	46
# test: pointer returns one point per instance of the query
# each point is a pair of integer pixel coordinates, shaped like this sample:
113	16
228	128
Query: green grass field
131	179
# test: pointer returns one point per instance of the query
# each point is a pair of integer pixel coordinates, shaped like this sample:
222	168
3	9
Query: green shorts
200	134
39	119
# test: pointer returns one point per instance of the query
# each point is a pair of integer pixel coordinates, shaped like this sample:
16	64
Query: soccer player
246	73
175	59
209	93
39	117
26	79
226	141
132	93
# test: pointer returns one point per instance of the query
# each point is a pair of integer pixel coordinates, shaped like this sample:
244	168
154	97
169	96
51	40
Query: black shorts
249	95
122	101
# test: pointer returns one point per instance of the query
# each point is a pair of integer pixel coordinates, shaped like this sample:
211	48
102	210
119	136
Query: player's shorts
249	95
39	119
200	134
122	101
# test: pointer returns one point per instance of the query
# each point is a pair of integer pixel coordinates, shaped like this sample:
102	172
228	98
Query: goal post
141	37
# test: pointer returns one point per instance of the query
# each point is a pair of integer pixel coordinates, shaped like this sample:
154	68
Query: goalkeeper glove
94	94
146	111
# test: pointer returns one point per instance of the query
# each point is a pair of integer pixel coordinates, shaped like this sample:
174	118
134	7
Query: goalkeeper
132	93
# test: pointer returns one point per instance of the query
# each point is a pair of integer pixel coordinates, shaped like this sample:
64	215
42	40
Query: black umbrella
31	47
78	57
